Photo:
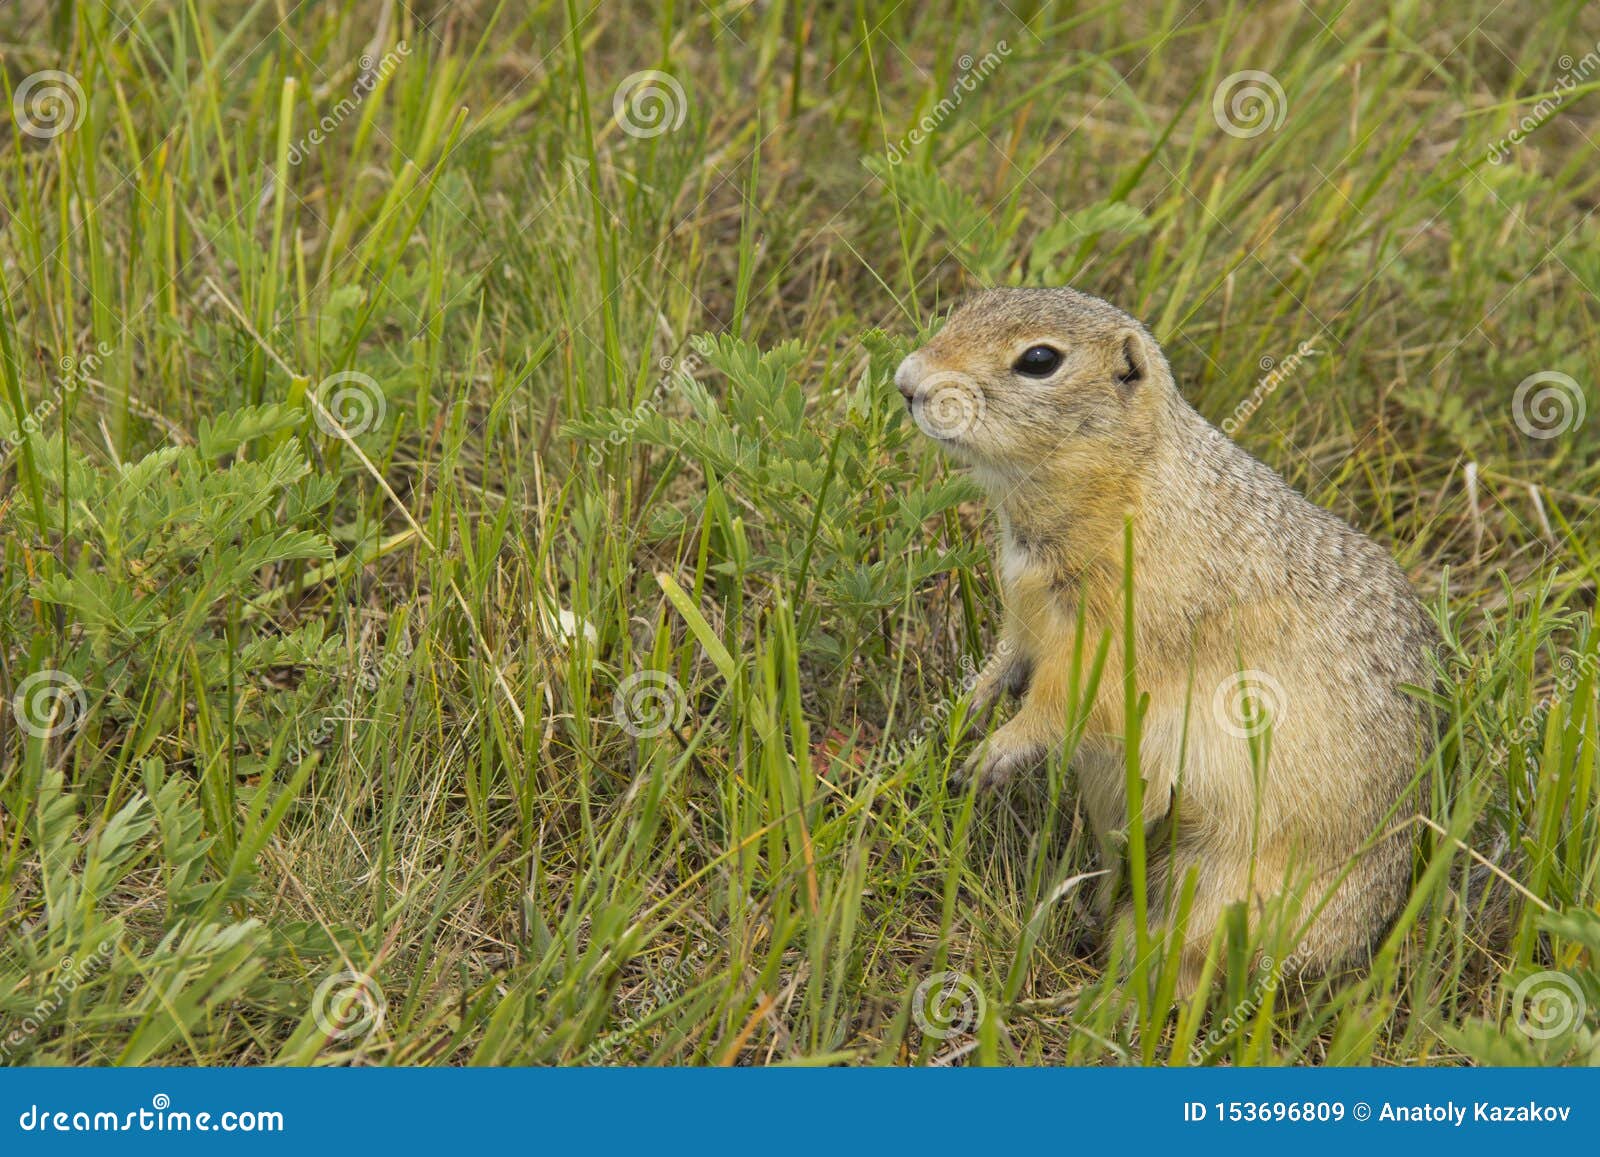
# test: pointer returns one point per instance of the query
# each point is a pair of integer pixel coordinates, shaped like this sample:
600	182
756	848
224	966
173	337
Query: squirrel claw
993	766
1009	677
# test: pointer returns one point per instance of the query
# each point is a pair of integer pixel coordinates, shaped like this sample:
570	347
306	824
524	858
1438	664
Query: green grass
344	669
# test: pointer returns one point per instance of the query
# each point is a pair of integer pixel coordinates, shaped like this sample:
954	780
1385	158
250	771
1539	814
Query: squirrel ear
1133	361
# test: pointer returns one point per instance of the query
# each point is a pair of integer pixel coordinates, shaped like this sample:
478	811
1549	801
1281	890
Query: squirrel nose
905	378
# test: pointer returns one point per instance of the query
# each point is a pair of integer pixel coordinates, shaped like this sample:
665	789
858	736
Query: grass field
472	595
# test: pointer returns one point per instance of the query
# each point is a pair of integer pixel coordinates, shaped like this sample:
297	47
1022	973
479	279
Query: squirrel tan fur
1279	748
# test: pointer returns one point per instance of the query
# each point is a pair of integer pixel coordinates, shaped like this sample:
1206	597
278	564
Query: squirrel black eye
1039	361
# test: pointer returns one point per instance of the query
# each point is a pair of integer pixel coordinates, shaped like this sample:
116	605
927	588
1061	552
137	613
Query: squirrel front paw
1018	675
1008	672
1000	757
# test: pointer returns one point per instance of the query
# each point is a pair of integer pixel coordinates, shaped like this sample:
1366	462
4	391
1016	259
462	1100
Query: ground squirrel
1274	641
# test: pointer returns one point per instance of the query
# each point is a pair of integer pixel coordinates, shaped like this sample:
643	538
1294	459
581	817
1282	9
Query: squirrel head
1024	381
